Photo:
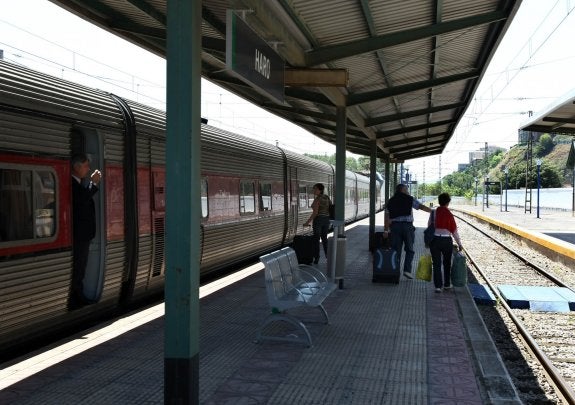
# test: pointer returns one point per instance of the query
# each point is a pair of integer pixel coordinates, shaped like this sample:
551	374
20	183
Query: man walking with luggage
399	220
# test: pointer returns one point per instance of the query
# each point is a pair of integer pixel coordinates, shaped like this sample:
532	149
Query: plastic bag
424	268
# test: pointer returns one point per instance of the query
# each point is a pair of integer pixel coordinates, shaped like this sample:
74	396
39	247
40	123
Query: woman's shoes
438	290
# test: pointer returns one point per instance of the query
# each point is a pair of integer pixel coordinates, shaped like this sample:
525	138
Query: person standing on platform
84	224
441	245
399	221
320	219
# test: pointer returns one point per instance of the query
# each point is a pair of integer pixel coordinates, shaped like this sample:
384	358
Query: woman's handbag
429	232
424	268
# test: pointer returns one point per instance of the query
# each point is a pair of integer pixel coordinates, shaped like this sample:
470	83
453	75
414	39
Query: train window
265	196
311	196
204	197
27	204
302	196
247	197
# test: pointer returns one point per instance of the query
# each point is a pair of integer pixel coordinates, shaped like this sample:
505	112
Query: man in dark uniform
399	220
84	223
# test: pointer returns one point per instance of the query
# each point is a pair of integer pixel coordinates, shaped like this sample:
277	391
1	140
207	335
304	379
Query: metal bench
290	285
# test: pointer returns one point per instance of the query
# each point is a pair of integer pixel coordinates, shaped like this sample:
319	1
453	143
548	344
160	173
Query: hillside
514	159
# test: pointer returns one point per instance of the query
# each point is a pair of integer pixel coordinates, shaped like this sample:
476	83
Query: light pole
506	183
538	162
486	192
407	179
476	183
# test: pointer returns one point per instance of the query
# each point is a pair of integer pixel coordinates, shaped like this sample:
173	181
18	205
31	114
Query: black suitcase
385	266
304	246
380	242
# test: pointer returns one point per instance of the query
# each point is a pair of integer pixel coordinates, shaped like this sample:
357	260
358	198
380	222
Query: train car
254	198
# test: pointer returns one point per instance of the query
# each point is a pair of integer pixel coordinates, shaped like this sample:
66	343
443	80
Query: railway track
537	347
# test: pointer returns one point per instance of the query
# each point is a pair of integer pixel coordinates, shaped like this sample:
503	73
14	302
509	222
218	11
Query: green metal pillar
340	158
387	180
181	346
372	189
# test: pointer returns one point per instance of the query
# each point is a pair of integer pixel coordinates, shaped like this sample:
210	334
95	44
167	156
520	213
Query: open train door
90	142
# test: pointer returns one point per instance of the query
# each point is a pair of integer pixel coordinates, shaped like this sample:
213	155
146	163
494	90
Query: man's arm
424	208
386	223
419	206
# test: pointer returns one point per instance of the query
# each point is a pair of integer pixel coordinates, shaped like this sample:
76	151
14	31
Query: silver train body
255	198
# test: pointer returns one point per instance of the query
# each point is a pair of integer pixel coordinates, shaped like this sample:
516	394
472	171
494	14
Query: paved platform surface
557	223
386	344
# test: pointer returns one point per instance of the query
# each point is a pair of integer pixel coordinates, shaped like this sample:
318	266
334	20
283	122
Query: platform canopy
411	66
558	118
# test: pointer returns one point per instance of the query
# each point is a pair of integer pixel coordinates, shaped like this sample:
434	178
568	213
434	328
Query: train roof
412	66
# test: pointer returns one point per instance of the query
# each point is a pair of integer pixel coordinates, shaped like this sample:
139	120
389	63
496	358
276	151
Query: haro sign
262	65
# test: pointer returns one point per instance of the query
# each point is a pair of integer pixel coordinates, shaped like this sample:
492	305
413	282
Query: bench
292	285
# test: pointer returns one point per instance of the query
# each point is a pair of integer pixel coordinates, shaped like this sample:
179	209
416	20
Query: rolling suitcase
304	246
385	266
380	242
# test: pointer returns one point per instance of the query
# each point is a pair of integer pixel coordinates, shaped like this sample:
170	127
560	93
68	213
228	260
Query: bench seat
291	285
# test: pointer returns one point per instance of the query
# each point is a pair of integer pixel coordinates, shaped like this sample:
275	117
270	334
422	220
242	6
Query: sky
531	69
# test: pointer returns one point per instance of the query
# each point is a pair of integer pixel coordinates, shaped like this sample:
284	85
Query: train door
90	142
293	205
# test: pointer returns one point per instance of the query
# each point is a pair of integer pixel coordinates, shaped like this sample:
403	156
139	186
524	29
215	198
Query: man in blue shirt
399	220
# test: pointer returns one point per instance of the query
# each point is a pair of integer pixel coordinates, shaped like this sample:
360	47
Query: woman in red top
442	244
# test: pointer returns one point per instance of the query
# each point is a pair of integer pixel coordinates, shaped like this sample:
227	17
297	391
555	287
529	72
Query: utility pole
486	161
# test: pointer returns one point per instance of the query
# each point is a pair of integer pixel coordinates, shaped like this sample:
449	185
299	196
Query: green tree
549	176
545	145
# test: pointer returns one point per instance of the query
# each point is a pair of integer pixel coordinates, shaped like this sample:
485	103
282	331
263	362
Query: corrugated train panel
19	134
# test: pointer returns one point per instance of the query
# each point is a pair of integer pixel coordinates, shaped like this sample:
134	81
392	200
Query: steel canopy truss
413	66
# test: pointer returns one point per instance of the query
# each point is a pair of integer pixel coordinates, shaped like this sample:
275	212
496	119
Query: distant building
462	166
479	155
524	136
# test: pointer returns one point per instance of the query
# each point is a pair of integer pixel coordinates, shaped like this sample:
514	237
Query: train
254	198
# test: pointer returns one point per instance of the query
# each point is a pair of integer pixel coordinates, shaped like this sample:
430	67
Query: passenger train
255	198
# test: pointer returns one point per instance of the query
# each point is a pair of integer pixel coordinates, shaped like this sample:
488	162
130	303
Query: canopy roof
558	118
413	66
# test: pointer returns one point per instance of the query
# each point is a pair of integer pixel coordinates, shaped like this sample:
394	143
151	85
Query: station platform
552	232
557	223
386	344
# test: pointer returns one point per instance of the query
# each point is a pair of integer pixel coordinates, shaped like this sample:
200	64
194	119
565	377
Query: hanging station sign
252	59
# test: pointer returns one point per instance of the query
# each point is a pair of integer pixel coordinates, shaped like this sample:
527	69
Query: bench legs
284	317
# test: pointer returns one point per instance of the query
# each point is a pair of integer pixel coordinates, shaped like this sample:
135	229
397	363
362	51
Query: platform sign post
486	186
476	184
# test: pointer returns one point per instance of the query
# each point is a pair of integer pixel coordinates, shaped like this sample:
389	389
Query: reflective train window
265	196
302	196
204	196
247	197
27	204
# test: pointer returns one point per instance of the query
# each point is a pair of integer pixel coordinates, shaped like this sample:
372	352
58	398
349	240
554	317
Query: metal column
181	345
340	160
372	189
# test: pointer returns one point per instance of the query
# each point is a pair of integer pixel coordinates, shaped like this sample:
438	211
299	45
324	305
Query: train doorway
90	142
